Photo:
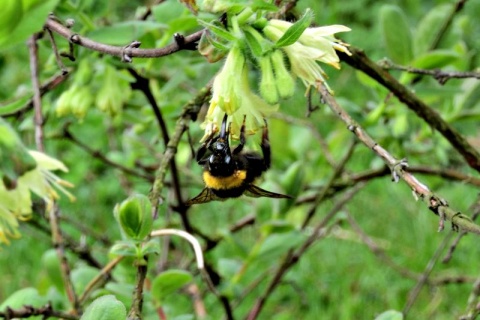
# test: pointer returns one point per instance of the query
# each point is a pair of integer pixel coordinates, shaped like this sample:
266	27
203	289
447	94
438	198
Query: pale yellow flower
16	204
232	95
314	45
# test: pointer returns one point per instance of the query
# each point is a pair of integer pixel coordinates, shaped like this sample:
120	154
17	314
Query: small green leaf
105	308
14	106
295	31
150	247
135	216
390	315
81	276
263	5
51	263
278	243
168	282
396	34
254	44
124	248
276	226
222	33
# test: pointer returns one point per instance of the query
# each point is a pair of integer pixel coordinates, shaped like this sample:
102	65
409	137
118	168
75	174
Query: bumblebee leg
205	146
266	147
239	148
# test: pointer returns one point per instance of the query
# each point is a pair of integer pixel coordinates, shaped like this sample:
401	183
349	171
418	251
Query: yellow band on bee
233	181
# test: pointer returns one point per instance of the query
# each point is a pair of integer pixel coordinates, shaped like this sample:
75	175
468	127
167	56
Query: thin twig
442	31
367	175
324	192
102	277
412	296
59	245
441	76
100	156
55	51
476	212
135	312
37	98
360	61
190	110
434	202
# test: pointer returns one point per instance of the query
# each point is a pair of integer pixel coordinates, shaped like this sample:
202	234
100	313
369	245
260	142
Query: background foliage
366	260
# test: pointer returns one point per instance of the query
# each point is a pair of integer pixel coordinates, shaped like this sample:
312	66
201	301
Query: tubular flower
16	204
314	45
232	95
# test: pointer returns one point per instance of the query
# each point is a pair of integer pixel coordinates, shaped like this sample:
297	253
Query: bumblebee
230	172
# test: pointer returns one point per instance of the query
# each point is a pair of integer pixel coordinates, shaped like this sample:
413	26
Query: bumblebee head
220	161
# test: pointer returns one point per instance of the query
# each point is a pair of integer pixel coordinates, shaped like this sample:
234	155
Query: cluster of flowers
280	61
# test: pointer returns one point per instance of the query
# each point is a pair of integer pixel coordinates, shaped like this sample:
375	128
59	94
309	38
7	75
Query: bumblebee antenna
223	131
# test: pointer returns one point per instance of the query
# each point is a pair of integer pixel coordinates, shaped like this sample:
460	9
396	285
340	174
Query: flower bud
135	216
268	88
283	79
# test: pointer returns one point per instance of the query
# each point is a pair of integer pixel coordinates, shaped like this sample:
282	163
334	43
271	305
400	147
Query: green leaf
135	216
124	248
278	243
427	28
105	308
26	296
14	106
390	315
81	276
10	17
276	226
221	32
34	17
295	31
254	44
150	247
396	34
51	264
168	282
263	5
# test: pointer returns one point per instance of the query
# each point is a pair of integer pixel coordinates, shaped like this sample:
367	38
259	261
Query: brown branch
29	311
37	98
360	61
121	52
143	84
441	76
434	202
190	111
135	312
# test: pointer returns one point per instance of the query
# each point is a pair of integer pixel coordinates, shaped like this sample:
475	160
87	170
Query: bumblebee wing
256	192
205	196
